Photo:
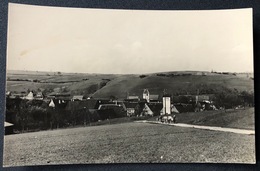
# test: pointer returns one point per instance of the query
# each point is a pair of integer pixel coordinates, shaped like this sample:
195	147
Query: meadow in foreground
128	143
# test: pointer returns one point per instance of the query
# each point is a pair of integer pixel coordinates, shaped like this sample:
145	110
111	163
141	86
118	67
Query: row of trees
37	115
32	115
226	99
233	99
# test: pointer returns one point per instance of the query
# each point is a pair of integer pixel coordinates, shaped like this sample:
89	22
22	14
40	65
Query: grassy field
128	142
243	119
156	84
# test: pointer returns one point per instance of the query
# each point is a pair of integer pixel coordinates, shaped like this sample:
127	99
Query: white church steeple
146	95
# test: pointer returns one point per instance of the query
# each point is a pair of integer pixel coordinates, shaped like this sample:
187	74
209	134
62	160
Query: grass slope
119	85
127	143
243	119
156	84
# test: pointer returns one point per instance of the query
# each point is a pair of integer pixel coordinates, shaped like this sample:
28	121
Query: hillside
183	84
105	85
241	119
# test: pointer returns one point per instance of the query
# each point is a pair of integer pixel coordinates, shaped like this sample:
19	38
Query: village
34	111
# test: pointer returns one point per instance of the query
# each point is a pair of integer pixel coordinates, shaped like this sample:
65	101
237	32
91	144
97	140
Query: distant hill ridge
106	85
71	73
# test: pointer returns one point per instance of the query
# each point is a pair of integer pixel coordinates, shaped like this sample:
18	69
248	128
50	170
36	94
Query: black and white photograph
98	86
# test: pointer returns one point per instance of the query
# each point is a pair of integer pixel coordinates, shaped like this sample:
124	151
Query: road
212	128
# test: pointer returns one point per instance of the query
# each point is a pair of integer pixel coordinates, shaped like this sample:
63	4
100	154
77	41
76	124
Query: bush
102	84
161	75
106	79
142	76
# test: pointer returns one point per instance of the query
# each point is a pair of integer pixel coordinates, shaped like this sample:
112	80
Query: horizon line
127	73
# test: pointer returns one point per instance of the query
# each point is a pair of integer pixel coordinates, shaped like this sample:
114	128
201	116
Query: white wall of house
29	96
147	111
130	111
51	104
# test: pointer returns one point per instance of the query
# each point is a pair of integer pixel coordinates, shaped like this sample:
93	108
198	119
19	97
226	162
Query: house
154	98
174	109
39	96
130	108
155	108
139	108
8	93
15	96
133	98
60	104
109	111
48	97
142	109
60	96
51	104
147	111
29	96
107	106
9	128
56	103
201	98
77	97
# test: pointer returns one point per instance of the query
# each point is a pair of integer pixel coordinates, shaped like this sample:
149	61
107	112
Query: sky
128	41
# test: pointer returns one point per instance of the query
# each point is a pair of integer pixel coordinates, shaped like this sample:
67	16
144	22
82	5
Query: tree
142	76
112	98
24	115
102	84
248	98
228	99
184	99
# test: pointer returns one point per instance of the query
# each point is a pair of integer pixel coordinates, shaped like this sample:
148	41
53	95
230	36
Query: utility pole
89	119
164	92
85	116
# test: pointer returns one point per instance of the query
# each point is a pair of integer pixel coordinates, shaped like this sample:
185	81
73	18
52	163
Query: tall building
166	104
146	95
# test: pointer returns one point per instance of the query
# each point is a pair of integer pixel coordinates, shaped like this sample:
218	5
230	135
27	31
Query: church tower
146	95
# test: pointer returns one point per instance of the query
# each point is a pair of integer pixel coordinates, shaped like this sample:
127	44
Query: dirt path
233	130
